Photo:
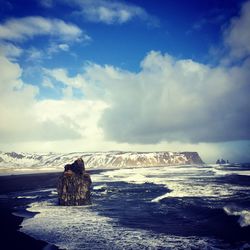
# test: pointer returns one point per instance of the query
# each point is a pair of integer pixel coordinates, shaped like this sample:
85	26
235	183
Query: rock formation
74	185
222	161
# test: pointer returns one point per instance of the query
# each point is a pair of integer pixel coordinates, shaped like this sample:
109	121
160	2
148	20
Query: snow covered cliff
111	159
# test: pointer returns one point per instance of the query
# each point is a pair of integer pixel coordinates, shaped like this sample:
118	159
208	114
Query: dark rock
74	185
192	158
222	161
15	155
77	167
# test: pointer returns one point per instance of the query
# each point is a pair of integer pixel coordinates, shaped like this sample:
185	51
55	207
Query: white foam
27	197
158	175
244	215
197	189
48	190
37	193
100	187
82	228
182	181
159	198
223	172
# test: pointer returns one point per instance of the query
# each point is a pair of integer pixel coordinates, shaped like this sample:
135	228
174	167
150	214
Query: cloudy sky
98	75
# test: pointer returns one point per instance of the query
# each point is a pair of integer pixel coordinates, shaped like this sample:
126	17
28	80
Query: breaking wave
172	207
181	181
244	215
82	228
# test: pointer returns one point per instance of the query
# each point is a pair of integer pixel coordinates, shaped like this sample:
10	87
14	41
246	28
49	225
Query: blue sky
87	75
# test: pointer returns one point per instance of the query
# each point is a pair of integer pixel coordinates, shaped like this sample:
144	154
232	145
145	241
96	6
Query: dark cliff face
15	155
193	158
74	185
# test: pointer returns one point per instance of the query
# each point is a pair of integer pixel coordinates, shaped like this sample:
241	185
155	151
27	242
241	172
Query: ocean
171	207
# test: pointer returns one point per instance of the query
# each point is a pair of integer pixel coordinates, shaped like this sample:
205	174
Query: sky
134	75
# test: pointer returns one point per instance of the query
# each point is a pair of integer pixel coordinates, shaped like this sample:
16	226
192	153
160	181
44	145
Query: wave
244	215
222	172
182	181
27	197
100	187
83	228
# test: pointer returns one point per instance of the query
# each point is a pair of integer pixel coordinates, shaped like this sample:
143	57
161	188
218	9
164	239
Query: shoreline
13	211
11	237
11	219
38	172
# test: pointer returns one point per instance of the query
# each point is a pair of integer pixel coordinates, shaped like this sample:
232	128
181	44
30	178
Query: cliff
113	159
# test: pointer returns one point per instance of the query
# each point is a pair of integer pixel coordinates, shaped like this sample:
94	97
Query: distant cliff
139	159
112	159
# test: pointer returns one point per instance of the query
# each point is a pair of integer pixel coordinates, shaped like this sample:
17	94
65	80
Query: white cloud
10	50
237	35
63	46
57	47
18	29
68	92
171	100
34	54
25	118
61	75
47	83
80	116
112	12
168	100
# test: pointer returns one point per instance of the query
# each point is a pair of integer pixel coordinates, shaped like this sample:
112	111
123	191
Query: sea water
172	207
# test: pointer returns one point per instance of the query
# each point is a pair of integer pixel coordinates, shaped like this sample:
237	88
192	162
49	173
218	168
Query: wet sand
11	238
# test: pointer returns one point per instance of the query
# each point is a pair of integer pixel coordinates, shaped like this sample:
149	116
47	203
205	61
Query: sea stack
74	185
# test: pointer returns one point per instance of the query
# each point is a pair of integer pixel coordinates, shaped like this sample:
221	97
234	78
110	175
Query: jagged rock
74	185
222	161
15	155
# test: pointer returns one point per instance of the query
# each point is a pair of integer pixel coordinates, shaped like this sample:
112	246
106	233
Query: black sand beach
10	237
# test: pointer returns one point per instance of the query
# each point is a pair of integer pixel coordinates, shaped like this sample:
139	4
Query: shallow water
172	207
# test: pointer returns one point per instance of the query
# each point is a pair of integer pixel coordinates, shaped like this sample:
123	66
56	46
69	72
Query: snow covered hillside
113	159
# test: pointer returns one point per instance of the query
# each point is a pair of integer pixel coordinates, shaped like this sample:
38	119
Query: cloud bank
19	29
24	118
169	100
